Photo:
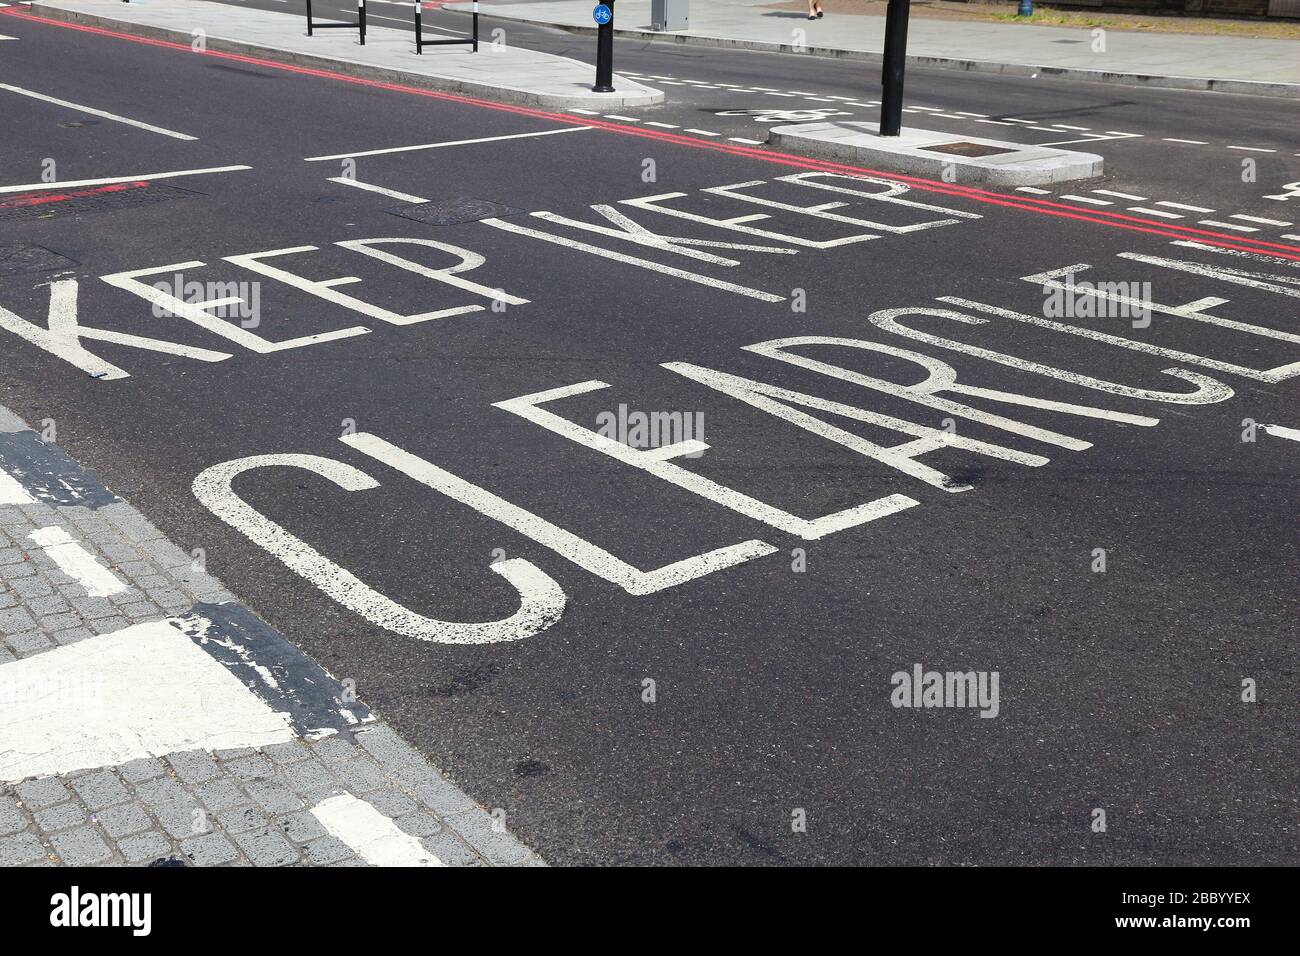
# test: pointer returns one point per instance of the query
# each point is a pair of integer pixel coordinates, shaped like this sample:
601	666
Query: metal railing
421	42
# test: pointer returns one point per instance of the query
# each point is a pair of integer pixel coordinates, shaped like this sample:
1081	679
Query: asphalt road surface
674	639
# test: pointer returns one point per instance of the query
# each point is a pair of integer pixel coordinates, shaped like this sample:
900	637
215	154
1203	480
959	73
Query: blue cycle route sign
602	14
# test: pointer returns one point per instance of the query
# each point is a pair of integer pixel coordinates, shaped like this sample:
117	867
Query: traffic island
505	73
949	156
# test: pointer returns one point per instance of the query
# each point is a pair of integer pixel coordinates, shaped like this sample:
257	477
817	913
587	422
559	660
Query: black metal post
475	26
309	26
891	102
361	19
605	54
419	27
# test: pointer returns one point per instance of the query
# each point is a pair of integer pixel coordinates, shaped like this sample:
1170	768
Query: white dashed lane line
1154	212
1226	225
1183	206
1266	222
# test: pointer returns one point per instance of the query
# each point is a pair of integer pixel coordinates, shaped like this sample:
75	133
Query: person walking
815	11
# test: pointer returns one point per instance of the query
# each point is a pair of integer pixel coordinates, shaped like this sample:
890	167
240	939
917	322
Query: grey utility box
670	14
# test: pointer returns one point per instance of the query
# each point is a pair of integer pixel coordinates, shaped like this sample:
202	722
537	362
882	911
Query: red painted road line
1041	206
38	199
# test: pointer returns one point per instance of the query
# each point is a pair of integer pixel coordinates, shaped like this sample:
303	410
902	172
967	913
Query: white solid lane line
1191	142
369	187
143	691
374	837
94	112
76	562
12	493
74	183
454	142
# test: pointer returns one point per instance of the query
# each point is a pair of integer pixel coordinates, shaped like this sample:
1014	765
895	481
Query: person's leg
812	9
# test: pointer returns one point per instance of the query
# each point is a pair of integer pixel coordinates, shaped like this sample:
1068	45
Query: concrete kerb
368	71
1152	80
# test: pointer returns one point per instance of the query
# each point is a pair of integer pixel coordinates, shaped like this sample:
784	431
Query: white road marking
374	837
566	544
1192	142
702	132
1253	149
369	187
1089	200
94	112
1033	189
661	125
1287	236
1107	192
1281	431
144	691
972	115
747	142
541	600
1155	212
1266	222
13	493
72	183
624	119
578	109
76	562
1178	205
994	122
1077	129
3	37
1226	225
454	142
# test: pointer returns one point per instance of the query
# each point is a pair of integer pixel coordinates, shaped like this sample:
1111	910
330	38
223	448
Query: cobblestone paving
247	806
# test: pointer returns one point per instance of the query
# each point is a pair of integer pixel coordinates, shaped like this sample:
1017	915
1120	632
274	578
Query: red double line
40	199
1042	206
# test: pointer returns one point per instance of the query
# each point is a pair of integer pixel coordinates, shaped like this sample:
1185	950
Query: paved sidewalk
1227	64
150	719
505	73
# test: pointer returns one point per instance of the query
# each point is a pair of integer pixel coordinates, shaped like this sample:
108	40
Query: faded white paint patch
1281	431
13	493
143	691
374	837
76	562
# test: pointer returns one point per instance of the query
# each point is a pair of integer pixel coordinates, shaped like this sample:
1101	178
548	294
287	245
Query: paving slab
1254	65
504	73
947	156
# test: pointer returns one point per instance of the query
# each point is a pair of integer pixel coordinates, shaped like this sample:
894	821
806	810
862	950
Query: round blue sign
602	14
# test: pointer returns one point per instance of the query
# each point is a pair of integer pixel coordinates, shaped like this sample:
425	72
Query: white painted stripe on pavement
1108	192
1179	205
454	142
1192	142
94	112
370	187
76	562
1266	222
1226	225
13	493
1033	189
144	691
1089	200
1155	212
1281	431
374	837
73	183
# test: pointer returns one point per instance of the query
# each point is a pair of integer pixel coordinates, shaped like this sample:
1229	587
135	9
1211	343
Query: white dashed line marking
1253	149
1266	222
747	142
1034	189
624	119
1179	205
1192	142
1089	200
368	187
1077	129
1226	225
661	125
1107	192
701	132
1155	212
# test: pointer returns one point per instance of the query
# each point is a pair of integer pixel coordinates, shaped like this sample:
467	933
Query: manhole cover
453	212
55	201
967	149
16	259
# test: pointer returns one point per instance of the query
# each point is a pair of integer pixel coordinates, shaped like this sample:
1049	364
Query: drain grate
968	149
17	259
54	202
453	212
